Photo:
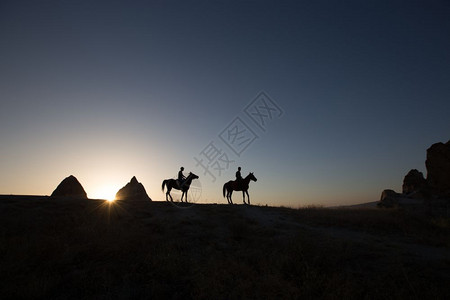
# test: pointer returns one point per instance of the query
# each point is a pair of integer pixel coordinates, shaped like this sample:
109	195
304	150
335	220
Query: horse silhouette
173	184
231	186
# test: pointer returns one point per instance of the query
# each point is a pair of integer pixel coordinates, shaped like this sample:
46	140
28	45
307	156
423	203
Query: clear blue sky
114	89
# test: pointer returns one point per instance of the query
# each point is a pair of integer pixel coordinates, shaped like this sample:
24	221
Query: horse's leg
184	194
248	197
230	192
243	196
168	193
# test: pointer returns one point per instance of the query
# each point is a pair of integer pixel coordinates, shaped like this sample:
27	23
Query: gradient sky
107	90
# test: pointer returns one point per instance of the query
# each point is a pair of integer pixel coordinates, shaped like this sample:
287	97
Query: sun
107	192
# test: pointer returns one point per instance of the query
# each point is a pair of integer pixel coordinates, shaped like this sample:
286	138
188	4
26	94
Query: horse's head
252	177
192	175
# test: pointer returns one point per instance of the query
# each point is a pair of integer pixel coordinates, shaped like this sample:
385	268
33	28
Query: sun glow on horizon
107	192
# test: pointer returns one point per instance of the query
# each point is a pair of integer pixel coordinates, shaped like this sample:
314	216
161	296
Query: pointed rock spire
134	190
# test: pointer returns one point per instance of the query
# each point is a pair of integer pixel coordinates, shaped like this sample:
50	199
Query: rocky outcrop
434	191
70	187
389	198
438	169
134	190
414	184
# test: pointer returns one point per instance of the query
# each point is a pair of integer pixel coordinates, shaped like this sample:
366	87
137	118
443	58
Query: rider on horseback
181	177
240	184
238	176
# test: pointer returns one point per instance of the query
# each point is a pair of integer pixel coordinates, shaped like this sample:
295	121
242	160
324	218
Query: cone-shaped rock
70	187
133	190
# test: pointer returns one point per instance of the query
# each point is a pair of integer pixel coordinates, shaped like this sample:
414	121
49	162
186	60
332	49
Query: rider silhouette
181	177
238	175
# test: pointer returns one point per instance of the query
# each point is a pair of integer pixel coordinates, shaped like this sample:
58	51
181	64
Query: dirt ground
72	249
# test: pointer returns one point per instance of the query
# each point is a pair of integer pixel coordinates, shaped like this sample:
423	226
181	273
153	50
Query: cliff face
70	187
133	190
438	168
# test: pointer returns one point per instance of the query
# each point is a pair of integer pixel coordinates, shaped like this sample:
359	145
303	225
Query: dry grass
423	229
86	249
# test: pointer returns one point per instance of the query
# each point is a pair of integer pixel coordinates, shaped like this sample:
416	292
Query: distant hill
361	205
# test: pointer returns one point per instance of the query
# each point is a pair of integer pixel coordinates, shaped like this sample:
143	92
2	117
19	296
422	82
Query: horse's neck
188	180
247	179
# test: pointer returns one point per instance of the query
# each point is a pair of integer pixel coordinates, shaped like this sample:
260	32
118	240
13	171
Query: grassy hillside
73	249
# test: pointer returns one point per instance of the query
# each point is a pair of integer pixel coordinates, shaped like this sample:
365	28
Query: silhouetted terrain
90	249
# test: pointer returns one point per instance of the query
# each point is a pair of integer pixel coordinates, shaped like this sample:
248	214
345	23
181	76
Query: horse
231	186
173	183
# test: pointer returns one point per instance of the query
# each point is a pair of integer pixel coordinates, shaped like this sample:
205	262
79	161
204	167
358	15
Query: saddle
238	183
179	183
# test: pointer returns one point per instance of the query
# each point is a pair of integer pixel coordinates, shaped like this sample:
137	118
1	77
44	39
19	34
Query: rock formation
70	187
414	183
433	191
133	190
389	198
438	168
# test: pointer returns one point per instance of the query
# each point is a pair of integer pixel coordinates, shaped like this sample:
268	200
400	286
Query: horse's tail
224	188
163	184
